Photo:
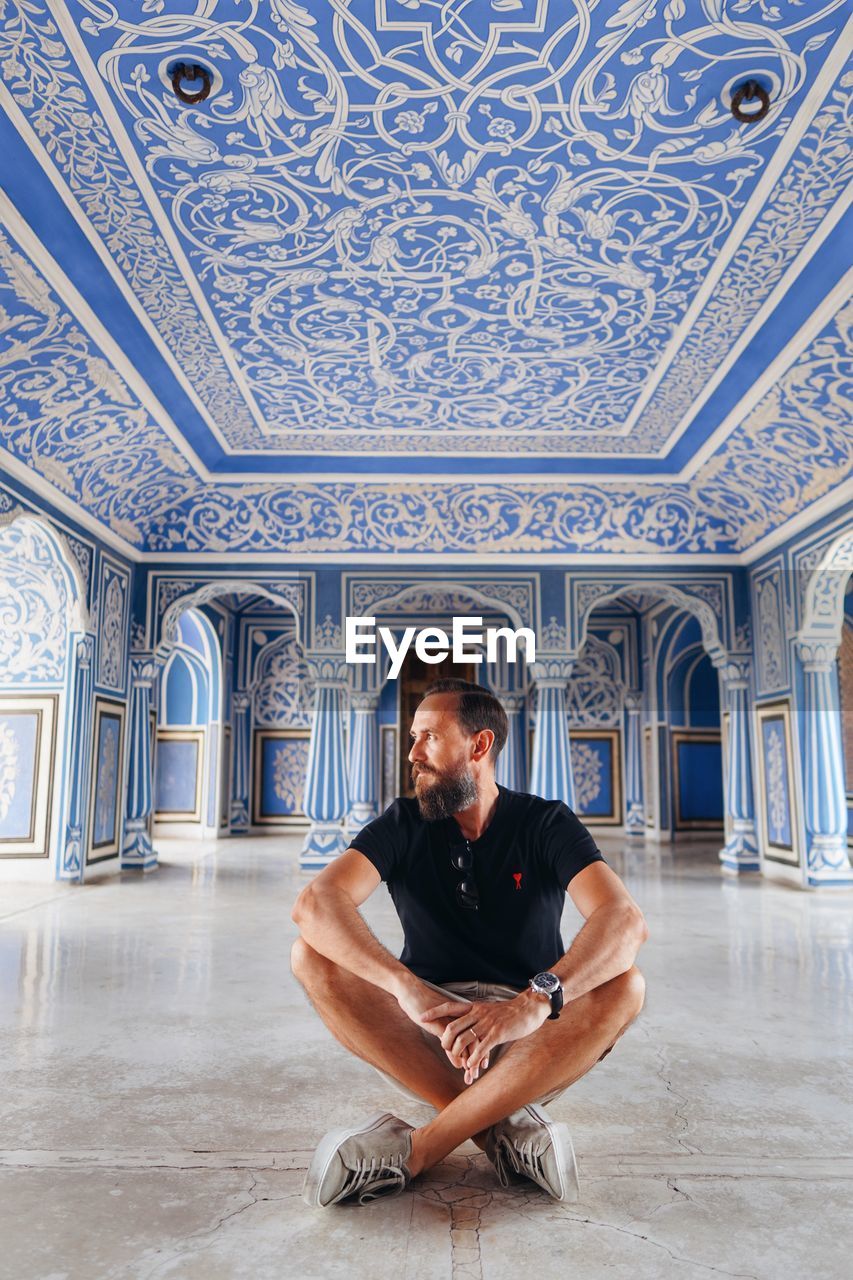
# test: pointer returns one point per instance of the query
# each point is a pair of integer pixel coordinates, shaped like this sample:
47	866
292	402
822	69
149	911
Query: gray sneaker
532	1145
365	1162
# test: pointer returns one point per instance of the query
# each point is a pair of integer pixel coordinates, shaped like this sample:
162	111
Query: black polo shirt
522	864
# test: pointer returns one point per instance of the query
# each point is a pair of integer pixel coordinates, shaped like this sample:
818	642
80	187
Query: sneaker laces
526	1161
378	1176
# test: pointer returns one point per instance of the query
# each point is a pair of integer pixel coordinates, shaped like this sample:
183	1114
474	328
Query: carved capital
633	702
553	670
734	672
143	670
240	703
512	703
85	651
364	702
817	655
329	669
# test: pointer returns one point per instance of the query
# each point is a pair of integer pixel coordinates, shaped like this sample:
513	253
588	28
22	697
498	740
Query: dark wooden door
415	678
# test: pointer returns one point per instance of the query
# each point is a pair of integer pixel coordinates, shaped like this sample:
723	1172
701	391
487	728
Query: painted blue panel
284	763
177	770
592	761
700	781
18	747
107	762
180	693
704	696
777	784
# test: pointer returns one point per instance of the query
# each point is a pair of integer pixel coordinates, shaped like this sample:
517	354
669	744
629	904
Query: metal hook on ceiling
749	91
182	71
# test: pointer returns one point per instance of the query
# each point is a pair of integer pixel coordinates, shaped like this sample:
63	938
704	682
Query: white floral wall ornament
771	656
8	768
112	626
777	803
587	772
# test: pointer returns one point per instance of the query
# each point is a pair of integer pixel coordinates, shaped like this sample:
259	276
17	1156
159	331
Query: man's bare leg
554	1056
369	1022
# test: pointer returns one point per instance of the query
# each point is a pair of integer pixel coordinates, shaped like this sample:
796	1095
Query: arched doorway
650	714
45	707
234	694
187	757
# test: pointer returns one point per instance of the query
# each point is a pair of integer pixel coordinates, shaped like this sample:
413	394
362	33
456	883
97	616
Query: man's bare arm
606	947
329	920
609	941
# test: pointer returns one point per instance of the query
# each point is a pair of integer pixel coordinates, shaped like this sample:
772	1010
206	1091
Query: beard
449	793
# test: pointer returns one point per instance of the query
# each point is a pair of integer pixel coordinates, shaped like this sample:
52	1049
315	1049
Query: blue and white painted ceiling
427	275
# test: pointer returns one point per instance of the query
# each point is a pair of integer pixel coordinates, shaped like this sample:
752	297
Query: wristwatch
548	984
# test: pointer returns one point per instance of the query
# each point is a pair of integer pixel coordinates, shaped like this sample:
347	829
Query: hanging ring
190	71
748	92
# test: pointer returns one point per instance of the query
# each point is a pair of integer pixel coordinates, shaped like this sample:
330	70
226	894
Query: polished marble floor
163	1081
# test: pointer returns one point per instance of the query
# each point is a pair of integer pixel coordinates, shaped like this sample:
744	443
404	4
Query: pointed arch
823	611
39	527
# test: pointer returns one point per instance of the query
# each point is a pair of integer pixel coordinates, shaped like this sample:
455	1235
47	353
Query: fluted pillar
363	773
635	814
137	851
551	767
825	801
72	860
326	795
740	852
241	727
511	769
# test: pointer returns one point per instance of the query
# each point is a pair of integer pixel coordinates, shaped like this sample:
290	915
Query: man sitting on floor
483	1016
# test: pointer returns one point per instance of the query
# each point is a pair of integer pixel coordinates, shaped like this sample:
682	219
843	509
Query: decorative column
137	851
72	858
241	705
551	767
635	815
363	762
325	799
741	849
827	860
510	771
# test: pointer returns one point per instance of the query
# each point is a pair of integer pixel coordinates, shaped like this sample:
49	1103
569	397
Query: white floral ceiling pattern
478	238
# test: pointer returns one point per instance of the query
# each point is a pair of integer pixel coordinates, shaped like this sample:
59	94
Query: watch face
548	983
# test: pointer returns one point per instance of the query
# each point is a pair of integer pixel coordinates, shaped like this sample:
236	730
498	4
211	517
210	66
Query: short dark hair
476	709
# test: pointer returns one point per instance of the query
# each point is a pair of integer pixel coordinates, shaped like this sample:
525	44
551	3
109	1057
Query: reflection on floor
164	1082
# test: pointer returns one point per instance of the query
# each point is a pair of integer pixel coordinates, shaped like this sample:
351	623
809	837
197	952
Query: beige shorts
465	991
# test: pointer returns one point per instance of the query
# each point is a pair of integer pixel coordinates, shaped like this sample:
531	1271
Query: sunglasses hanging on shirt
467	893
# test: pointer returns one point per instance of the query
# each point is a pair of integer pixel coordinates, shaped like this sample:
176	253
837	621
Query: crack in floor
680	1100
466	1201
204	1234
658	1244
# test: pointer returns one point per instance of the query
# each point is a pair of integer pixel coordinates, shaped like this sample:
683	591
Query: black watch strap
548	984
